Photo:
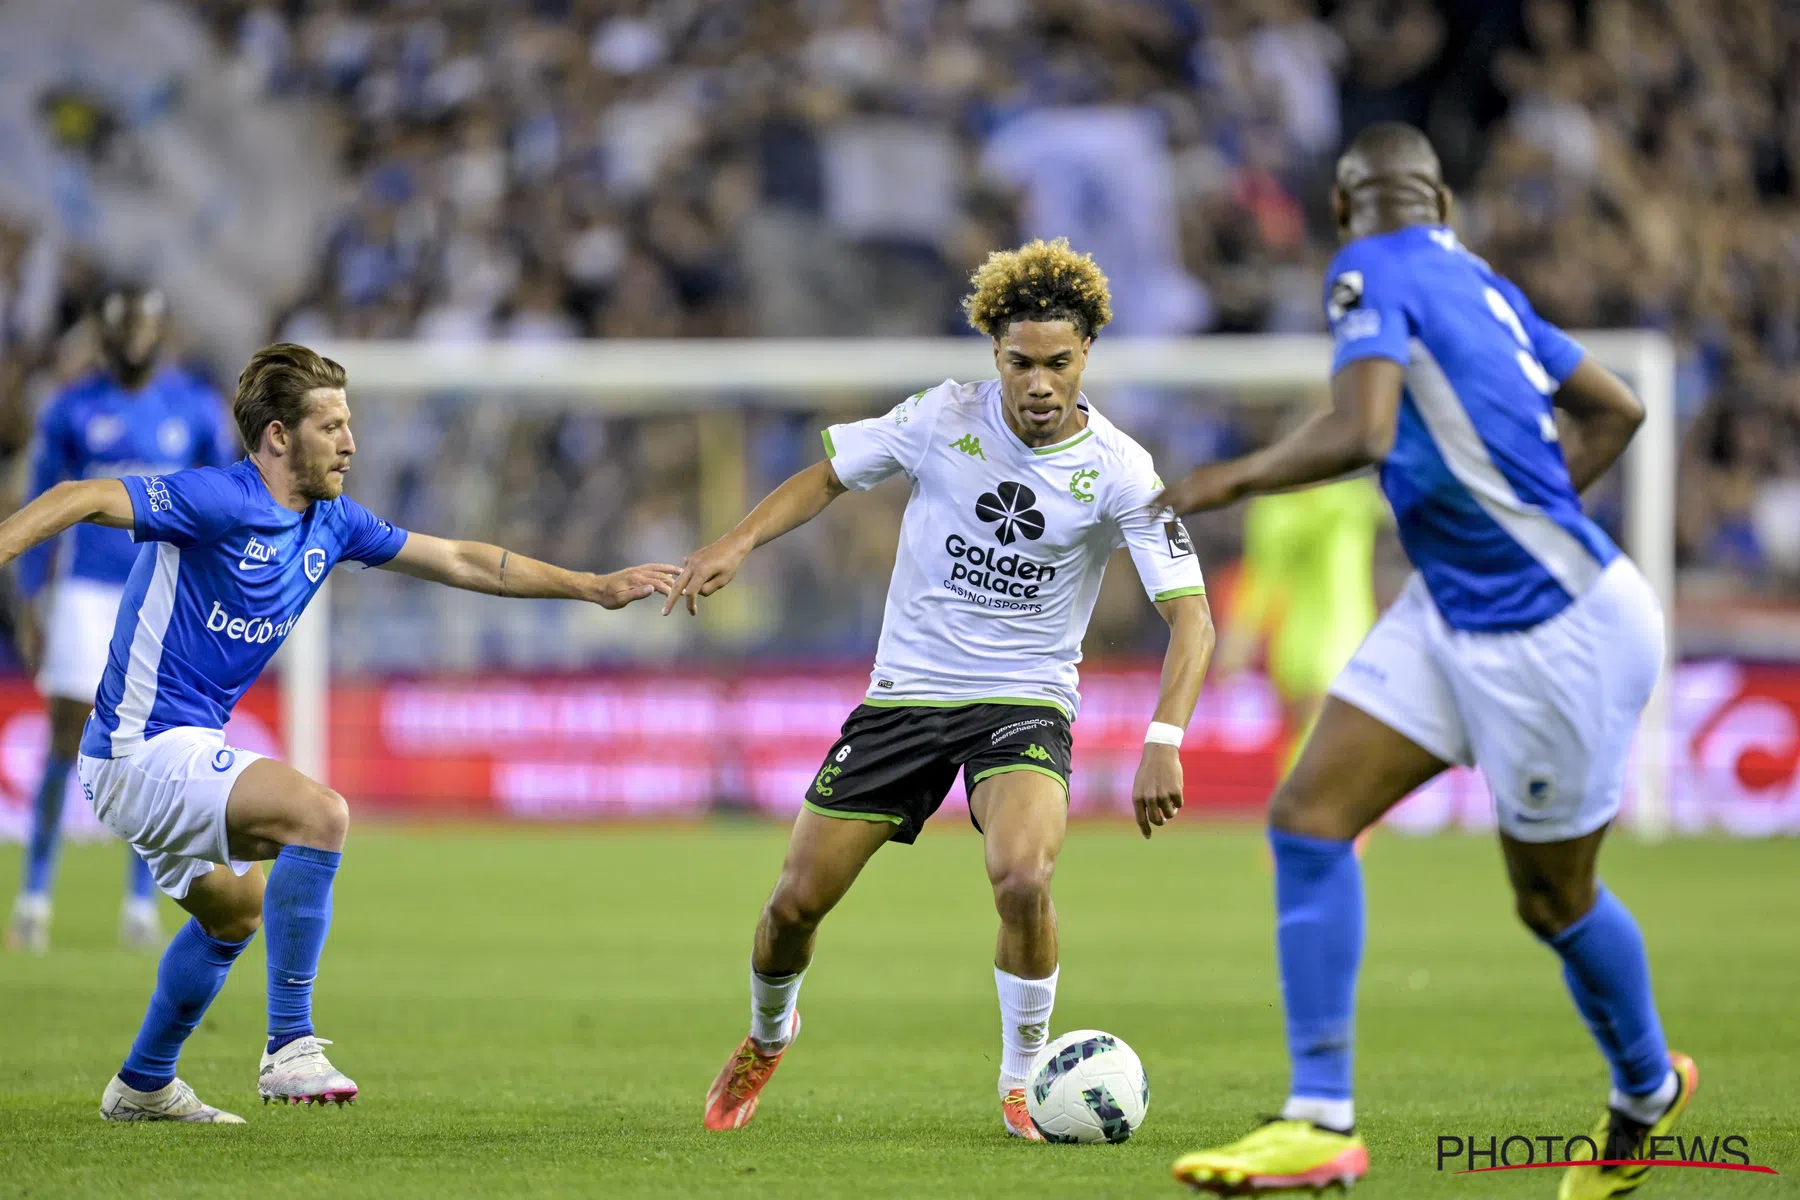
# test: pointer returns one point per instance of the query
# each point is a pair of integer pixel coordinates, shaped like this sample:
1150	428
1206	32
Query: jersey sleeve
1365	308
52	461
1559	353
1159	543
186	508
368	539
863	453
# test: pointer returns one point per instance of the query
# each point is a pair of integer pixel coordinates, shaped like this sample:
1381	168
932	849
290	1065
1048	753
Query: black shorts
897	764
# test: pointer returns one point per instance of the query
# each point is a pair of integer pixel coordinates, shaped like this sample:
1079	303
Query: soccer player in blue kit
129	418
1525	643
230	559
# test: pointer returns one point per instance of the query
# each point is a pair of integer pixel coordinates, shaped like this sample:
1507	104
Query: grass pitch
540	1012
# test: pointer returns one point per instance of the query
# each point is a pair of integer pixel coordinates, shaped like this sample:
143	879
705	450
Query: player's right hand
634	583
705	571
1214	485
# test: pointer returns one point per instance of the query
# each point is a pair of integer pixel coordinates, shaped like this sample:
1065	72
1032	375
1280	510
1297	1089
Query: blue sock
1608	974
1319	940
46	824
138	883
192	972
296	918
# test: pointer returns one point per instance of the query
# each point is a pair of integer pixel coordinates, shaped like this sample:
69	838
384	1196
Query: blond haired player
1020	492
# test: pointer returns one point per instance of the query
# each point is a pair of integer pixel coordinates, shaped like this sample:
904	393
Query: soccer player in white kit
1021	490
1526	643
230	559
129	418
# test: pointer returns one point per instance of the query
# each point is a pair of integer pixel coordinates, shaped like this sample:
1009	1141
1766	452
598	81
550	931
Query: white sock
1647	1109
772	1001
1025	1006
1332	1114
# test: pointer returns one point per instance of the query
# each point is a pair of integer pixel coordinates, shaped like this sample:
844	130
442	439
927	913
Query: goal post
668	376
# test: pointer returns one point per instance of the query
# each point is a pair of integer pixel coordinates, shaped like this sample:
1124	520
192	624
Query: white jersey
1003	546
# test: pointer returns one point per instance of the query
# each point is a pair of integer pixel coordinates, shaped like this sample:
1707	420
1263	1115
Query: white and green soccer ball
1087	1086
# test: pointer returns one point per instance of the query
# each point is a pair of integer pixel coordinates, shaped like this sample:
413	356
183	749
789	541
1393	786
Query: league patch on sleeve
1346	294
1180	545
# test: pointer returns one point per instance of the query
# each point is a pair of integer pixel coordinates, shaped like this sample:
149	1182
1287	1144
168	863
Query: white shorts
1547	713
78	629
168	801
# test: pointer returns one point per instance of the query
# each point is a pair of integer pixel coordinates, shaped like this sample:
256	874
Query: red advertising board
674	745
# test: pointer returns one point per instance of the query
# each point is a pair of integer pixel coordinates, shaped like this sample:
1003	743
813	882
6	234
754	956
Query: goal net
648	442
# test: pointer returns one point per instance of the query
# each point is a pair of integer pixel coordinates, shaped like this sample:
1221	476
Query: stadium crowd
656	168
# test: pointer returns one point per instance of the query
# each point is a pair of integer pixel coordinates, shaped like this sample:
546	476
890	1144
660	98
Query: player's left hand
1214	485
1156	792
634	583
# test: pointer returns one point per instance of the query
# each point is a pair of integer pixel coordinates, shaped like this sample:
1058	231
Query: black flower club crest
1011	505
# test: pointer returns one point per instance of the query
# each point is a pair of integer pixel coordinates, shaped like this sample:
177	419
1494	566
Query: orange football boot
1017	1115
732	1099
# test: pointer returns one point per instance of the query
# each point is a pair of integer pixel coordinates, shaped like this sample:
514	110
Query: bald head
1388	178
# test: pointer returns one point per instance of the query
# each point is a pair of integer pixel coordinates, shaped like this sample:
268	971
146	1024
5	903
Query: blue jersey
208	603
96	429
1476	478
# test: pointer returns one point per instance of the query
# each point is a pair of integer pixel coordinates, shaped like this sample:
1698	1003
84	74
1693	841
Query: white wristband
1162	733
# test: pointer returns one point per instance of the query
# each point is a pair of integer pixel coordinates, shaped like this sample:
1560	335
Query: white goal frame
665	376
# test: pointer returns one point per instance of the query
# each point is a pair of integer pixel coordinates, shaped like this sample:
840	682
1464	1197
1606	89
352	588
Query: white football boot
176	1102
140	928
29	928
299	1072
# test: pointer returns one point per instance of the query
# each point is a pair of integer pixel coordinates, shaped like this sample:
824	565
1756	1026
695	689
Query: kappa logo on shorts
1035	751
223	760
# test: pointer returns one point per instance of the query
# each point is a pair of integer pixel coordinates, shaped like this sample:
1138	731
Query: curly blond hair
1040	281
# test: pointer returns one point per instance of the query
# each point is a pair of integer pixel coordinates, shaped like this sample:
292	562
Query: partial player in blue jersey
131	417
230	559
1525	644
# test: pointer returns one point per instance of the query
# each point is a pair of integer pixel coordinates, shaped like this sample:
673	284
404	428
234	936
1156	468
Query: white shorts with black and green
897	764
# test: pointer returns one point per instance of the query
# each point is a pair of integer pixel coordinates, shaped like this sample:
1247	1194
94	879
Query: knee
326	821
1022	892
1296	808
793	906
233	927
1547	906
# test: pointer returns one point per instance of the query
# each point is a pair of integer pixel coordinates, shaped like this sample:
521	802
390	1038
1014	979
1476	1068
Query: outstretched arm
1156	792
801	498
479	567
97	501
1602	415
1355	432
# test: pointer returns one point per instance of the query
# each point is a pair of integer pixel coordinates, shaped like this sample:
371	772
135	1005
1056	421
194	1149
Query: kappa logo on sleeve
1180	544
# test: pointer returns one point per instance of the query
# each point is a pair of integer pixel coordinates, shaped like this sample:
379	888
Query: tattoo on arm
504	555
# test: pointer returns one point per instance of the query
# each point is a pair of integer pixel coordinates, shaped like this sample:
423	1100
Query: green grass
539	1012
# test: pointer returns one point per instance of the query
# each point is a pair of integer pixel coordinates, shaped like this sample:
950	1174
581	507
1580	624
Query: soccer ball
1087	1086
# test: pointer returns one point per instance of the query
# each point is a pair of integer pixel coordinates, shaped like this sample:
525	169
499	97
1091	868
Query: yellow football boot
1277	1156
1620	1137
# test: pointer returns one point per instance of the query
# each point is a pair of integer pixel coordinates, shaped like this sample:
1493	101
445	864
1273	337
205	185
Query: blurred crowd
532	170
